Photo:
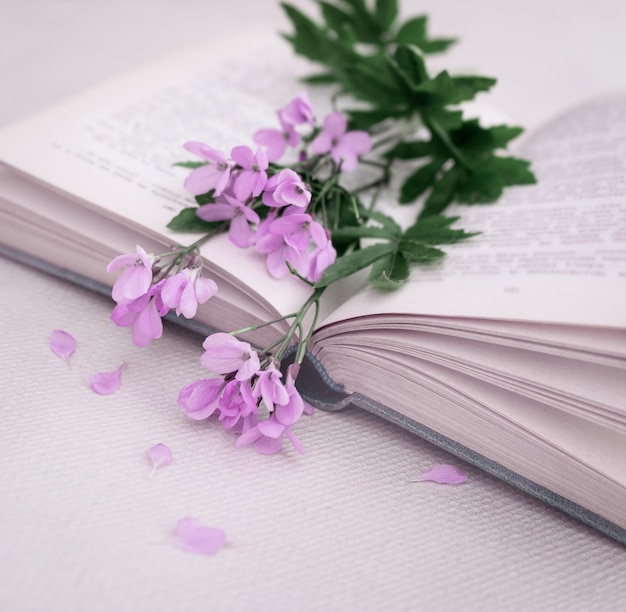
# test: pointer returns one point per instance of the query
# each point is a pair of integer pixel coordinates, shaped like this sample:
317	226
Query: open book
510	353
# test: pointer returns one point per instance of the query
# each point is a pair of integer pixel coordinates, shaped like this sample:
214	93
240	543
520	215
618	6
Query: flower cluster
276	211
245	187
145	293
247	385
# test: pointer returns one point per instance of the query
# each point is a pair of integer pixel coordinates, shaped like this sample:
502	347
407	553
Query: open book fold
510	353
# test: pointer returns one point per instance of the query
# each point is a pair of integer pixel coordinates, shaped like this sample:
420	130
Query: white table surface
83	528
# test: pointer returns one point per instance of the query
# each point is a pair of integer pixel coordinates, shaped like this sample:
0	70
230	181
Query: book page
111	149
554	252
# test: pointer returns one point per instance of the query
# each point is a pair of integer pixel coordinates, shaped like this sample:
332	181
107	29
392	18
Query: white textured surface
81	525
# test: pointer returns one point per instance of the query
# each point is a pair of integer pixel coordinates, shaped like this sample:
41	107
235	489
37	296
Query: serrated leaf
487	181
335	17
442	193
514	171
414	32
308	40
420	181
419	253
466	87
389	272
187	221
346	265
386	12
476	140
190	164
438	45
435	230
373	81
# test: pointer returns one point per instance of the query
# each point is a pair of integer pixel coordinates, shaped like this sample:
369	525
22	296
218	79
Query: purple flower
253	175
238	407
270	388
298	112
321	258
298	229
278	253
185	290
136	277
344	147
214	175
143	315
226	354
200	399
286	189
267	437
240	233
276	141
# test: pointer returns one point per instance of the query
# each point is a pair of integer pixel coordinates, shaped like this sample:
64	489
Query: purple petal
335	124
443	474
196	537
243	156
160	455
107	383
203	150
268	446
271	428
215	212
62	344
322	143
358	142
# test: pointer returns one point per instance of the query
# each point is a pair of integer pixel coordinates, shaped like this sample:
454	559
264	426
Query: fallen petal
107	383
196	537
160	455
443	474
62	344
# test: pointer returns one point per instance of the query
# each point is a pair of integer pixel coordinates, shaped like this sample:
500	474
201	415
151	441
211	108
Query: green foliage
379	61
187	221
459	159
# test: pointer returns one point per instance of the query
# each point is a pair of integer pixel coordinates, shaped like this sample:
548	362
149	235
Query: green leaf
389	272
448	120
414	32
420	181
335	18
435	230
347	265
414	149
205	198
437	45
385	220
442	193
323	78
487	181
466	87
514	171
366	119
419	253
190	164
308	40
187	221
386	12
362	231
476	140
409	66
374	81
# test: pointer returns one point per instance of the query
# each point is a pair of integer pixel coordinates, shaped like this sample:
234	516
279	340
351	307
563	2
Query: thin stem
245	330
437	130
